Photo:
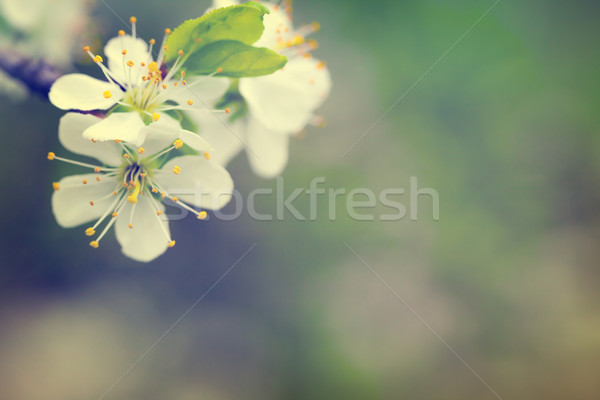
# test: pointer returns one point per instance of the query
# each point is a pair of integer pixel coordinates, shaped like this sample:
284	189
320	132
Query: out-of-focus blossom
279	105
42	31
126	187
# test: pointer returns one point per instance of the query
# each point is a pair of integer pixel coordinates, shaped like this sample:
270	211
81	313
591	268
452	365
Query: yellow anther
315	26
115	193
143	64
175	199
155	116
92	203
124	52
55	185
167	31
98	178
94	244
129	63
130	226
227	110
94	140
166	48
176	170
307	55
141	151
153	66
207	155
97	169
184	83
97	59
182	72
164	86
313	44
84	181
158	212
126	155
114	215
190	102
298	40
171	243
202	215
133	20
219	70
51	156
118	140
132	199
180	53
178	143
163	195
142	175
90	232
154	190
121	32
321	65
152	41
86	48
107	94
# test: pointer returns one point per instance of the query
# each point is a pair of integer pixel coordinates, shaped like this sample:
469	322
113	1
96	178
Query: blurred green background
505	127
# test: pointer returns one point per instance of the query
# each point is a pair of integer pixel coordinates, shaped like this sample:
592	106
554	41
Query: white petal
71	203
137	51
82	92
125	126
160	134
203	91
224	3
227	138
146	240
269	153
275	22
201	182
70	130
285	101
195	141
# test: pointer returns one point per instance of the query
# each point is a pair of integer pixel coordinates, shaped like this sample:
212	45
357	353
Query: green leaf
243	23
237	60
184	120
233	100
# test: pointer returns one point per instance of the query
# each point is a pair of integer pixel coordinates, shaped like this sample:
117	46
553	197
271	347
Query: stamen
133	20
52	156
55	185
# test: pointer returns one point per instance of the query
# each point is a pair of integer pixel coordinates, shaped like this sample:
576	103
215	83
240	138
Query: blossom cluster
168	117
